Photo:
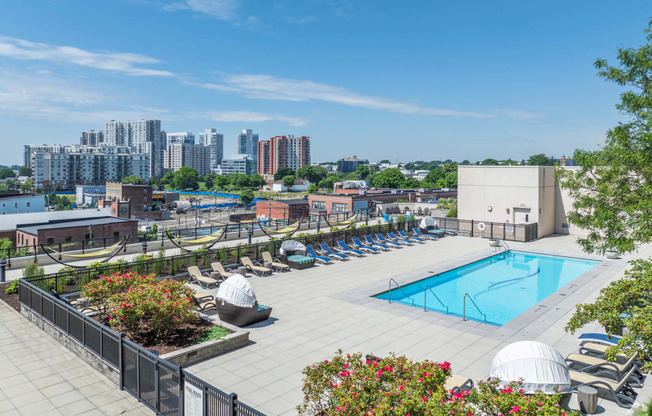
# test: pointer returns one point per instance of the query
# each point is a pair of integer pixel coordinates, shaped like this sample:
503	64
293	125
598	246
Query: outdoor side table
587	398
216	275
267	264
242	270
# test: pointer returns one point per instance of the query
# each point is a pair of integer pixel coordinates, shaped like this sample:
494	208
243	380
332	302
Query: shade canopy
539	365
292	247
427	222
238	291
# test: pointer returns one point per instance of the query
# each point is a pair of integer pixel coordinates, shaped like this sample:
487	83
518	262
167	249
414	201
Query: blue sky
418	80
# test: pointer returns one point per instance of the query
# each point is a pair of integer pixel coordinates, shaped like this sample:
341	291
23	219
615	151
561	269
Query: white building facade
215	142
247	144
144	136
178	155
238	164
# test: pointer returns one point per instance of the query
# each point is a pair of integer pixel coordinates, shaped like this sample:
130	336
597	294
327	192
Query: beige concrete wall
563	204
507	194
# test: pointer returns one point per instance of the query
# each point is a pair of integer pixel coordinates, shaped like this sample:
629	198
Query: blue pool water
502	286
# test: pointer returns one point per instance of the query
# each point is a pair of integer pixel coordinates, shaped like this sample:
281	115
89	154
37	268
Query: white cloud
249	117
43	96
272	88
127	63
220	9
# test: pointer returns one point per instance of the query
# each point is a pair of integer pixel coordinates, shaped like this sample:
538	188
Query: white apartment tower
180	137
178	155
247	144
211	138
143	136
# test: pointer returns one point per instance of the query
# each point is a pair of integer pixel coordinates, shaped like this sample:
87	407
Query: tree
363	171
247	196
26	186
328	182
313	173
24	171
133	179
465	162
389	178
450	181
434	177
312	188
208	180
7	173
281	172
288	182
167	179
256	181
410	183
385	161
612	189
539	160
220	181
489	162
186	178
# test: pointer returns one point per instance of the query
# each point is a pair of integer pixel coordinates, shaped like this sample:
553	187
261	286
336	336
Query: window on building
28	205
319	204
50	240
116	233
68	239
340	207
145	200
15	204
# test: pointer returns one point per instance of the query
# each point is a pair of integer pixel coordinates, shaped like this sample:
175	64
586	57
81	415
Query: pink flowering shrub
134	302
349	385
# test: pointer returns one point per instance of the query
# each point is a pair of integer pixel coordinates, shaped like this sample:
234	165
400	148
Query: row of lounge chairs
589	367
370	245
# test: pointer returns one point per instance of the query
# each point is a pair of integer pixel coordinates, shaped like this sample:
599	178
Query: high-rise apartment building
283	152
83	165
92	138
143	136
181	137
215	141
196	156
247	144
29	155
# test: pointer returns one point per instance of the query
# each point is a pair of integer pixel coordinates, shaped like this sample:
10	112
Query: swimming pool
501	286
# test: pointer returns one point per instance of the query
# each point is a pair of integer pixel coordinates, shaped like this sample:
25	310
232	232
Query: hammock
290	229
101	252
345	224
285	230
210	239
202	240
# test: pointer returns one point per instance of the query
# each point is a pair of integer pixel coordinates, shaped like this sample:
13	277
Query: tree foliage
612	189
247	196
186	178
489	162
624	303
288	182
7	173
539	160
133	179
389	178
24	171
313	173
281	172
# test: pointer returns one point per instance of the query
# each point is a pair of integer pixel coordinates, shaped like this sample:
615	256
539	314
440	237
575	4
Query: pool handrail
436	297
389	292
474	304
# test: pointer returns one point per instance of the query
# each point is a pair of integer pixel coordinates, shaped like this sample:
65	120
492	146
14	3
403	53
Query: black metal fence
73	280
487	229
158	384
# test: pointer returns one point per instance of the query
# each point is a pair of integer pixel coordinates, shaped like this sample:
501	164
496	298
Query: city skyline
454	82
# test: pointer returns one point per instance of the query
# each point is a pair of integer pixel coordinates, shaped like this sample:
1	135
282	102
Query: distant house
12	202
300	185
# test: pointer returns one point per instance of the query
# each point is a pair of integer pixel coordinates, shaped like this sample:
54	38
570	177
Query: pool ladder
389	297
502	245
466	295
425	292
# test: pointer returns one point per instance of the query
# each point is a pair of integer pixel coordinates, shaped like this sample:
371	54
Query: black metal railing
155	382
488	229
73	280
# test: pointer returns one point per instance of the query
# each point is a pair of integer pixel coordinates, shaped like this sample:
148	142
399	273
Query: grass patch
214	333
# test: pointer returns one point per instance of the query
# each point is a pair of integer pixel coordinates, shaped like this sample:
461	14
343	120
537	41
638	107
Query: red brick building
131	201
283	152
74	230
282	209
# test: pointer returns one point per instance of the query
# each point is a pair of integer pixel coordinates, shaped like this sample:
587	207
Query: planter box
494	243
190	355
612	254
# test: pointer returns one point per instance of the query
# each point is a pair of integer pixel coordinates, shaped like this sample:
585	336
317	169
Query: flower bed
157	314
349	385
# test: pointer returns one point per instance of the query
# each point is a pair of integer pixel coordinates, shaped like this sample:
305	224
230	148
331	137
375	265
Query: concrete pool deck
319	310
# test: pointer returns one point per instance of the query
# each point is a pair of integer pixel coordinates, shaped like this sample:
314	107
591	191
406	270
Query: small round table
242	270
587	398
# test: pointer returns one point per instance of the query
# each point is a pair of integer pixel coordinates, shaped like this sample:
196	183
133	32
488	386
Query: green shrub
12	288
134	301
348	385
33	269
